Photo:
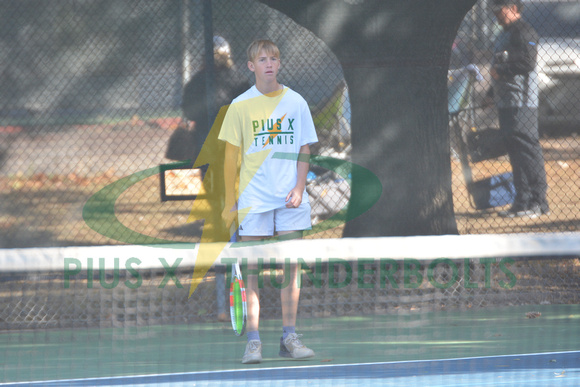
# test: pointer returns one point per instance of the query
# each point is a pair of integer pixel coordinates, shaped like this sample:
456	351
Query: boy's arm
294	198
230	174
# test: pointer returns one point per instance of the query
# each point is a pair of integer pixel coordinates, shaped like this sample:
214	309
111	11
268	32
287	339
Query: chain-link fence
146	297
495	83
91	92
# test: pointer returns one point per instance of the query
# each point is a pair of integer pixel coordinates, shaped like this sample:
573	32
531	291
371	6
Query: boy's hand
294	198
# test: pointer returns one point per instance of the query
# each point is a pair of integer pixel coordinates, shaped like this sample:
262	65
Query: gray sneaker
292	347
516	211
253	354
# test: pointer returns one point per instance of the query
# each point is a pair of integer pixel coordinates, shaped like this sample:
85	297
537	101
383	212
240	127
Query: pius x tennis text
407	273
110	278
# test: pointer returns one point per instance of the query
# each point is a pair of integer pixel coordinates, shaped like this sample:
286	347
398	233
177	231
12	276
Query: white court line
326	366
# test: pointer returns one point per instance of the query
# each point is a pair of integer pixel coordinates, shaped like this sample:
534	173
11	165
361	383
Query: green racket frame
238	305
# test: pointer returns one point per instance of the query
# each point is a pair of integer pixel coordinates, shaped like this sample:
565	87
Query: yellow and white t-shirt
263	127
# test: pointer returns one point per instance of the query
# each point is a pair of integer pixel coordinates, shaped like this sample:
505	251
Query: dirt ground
562	157
47	177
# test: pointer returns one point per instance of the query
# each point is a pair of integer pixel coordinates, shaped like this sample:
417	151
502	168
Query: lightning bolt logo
212	153
99	210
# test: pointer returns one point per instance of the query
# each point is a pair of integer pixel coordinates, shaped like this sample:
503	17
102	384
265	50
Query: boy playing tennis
268	120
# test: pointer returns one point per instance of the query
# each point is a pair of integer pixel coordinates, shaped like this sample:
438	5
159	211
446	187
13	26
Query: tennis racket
238	306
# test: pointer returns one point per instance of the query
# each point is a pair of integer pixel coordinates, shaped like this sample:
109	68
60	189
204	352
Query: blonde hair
258	45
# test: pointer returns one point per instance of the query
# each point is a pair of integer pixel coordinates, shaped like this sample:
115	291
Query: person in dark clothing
515	94
227	84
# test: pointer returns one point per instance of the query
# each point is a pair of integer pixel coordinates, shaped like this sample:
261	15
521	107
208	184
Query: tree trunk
395	55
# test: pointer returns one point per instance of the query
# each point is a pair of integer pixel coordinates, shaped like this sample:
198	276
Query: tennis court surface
387	311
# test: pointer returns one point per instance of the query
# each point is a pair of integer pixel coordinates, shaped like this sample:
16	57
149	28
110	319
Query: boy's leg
253	353
254	227
290	295
252	292
290	344
290	222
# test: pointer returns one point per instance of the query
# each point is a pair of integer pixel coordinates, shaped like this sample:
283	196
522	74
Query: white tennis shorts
280	219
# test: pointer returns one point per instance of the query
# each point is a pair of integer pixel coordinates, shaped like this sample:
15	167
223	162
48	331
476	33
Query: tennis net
53	296
113	286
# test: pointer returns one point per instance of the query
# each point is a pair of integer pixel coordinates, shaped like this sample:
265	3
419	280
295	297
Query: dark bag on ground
495	191
485	144
181	145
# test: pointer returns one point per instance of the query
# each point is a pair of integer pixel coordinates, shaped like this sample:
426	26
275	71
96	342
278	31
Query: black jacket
515	54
